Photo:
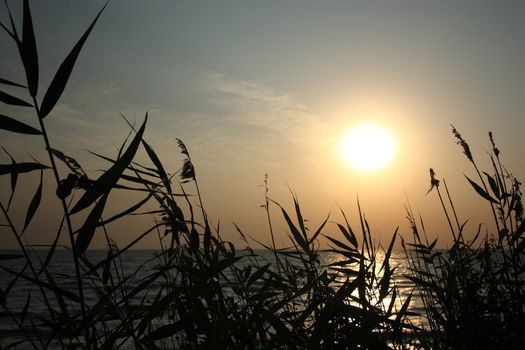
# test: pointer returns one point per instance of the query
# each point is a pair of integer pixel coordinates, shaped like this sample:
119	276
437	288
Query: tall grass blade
24	310
13	32
481	191
348	232
53	246
295	232
404	308
11	100
390	247
29	52
10	256
14	178
493	186
127	211
18	168
55	89
106	271
35	203
86	232
139	180
10	124
160	169
300	219
318	231
11	83
108	180
340	244
4	27
129	167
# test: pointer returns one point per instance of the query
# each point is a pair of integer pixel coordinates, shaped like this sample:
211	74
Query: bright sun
367	147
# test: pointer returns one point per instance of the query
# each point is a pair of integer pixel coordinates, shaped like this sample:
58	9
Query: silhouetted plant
474	293
210	294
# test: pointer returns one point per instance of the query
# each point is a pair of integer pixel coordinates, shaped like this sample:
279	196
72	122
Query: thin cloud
261	106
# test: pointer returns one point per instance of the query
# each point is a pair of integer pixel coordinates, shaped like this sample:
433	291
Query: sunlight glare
367	147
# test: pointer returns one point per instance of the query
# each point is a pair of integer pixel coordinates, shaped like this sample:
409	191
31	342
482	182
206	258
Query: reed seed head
434	182
494	148
461	141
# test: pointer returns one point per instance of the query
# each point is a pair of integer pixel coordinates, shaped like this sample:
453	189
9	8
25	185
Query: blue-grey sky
257	87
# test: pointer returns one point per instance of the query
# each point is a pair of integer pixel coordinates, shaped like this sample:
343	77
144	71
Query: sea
62	268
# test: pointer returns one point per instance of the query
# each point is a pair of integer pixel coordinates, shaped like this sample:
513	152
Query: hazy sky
271	87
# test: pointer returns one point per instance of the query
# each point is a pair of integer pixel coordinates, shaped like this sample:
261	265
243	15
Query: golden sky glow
274	87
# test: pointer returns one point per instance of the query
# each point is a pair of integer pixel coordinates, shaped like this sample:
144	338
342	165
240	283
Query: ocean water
131	261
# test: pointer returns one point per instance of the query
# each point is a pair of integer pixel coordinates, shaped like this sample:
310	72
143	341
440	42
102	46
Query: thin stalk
486	190
68	223
446	214
500	173
452	205
498	169
268	217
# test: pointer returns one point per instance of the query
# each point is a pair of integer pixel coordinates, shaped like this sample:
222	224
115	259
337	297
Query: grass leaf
493	186
128	211
24	310
318	231
10	124
108	180
348	232
53	246
340	244
10	256
11	100
59	82
86	232
13	32
12	83
390	247
35	203
134	169
403	309
349	235
14	178
300	219
29	53
19	168
295	232
160	169
481	191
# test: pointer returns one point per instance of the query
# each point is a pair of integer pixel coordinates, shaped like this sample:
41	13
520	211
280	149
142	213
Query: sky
271	87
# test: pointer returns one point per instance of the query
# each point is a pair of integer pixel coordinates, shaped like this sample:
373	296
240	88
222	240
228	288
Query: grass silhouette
211	294
474	292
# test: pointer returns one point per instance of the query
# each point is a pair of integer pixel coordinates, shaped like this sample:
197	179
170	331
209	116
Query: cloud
261	106
249	92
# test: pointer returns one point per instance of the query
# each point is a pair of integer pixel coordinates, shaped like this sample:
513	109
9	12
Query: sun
367	147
